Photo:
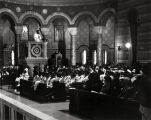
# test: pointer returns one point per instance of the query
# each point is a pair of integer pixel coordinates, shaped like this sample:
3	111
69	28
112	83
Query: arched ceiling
55	2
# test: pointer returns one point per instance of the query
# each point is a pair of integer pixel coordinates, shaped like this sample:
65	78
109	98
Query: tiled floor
59	111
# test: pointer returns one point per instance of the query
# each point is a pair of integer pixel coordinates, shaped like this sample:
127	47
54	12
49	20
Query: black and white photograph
75	59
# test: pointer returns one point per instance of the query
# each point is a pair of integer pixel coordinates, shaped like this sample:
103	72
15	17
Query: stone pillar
99	31
29	47
45	32
73	33
94	57
45	50
1	110
12	114
18	30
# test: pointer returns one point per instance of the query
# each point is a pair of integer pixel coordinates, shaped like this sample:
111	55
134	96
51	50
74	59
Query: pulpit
37	54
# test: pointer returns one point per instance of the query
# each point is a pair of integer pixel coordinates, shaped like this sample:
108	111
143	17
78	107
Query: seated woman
86	75
37	80
48	81
73	77
67	80
24	76
41	79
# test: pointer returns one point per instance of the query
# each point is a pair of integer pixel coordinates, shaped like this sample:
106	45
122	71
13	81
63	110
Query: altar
37	54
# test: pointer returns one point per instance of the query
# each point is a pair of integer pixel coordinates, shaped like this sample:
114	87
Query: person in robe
38	36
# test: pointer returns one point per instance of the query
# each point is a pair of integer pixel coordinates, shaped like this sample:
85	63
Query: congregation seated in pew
118	80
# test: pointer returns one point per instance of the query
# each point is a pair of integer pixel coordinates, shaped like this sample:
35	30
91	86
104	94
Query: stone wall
7	40
144	29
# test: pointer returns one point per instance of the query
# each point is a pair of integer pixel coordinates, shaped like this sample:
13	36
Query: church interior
74	59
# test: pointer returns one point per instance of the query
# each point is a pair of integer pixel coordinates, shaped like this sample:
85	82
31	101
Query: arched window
12	57
105	57
94	57
84	57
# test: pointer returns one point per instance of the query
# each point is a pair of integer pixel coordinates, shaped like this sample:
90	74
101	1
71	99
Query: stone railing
11	109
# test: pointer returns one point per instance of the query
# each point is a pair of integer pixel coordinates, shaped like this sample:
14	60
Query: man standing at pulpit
38	36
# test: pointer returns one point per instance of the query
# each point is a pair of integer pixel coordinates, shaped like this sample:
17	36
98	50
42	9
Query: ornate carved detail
44	11
73	30
18	9
18	29
36	50
99	29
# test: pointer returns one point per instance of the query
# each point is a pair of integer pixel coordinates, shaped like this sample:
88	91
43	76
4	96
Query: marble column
99	31
18	30
73	33
45	32
45	50
29	52
94	57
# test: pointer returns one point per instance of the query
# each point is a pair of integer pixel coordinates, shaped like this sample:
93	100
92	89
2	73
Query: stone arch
31	14
83	46
7	36
105	46
10	13
105	14
87	13
106	49
55	15
80	49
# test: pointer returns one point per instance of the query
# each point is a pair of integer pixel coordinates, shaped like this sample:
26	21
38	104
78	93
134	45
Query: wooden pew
97	105
27	89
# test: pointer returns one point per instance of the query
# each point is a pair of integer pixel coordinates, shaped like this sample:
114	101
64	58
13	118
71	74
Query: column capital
45	30
18	29
99	29
73	30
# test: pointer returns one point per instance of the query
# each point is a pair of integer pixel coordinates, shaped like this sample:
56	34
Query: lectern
37	54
